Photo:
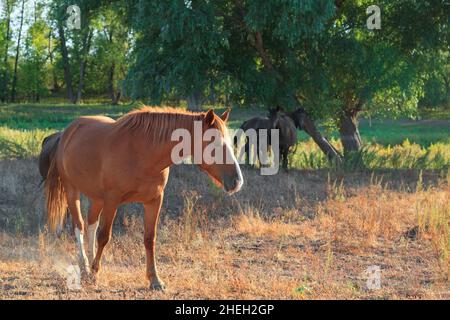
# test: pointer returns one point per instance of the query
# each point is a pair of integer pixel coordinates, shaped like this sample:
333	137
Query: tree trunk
83	63
112	89
4	88
66	64
195	101
310	128
348	130
16	62
55	85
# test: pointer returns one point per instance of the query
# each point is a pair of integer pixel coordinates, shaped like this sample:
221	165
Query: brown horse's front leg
151	215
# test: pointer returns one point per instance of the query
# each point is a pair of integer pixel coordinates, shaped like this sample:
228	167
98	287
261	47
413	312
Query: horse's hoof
90	278
157	286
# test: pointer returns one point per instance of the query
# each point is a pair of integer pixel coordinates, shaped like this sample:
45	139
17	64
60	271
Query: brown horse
128	160
287	134
258	124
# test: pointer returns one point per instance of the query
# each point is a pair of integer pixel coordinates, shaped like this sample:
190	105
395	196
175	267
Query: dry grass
297	235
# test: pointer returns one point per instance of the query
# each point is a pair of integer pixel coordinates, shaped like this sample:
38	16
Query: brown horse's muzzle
233	182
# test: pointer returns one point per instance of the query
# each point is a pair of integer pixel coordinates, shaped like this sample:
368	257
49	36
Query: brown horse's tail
56	197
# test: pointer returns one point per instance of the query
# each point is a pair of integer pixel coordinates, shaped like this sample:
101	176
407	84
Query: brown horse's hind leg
151	215
73	202
93	215
104	235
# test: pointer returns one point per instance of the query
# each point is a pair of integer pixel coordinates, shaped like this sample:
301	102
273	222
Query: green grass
388	143
375	156
393	132
56	117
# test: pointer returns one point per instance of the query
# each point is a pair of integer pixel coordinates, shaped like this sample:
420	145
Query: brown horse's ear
210	117
225	115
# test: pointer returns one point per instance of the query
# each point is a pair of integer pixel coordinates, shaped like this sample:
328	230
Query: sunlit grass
21	143
375	156
17	143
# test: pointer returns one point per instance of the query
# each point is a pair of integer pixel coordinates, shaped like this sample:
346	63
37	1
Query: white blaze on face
231	159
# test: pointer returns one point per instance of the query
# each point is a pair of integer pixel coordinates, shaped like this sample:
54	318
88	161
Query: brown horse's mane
158	123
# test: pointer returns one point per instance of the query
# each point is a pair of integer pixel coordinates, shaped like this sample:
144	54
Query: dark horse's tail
48	151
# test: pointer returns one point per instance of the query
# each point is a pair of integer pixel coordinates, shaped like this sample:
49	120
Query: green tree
178	51
251	47
5	41
74	44
34	67
437	82
376	71
18	46
111	47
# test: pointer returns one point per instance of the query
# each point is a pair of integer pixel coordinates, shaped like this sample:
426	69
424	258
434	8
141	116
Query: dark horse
257	124
286	124
48	150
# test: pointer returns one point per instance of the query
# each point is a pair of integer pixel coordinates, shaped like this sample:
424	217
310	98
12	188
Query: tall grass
433	224
375	156
21	143
27	143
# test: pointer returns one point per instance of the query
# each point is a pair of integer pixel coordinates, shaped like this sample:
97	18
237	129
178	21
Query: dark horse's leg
285	159
151	215
104	235
247	150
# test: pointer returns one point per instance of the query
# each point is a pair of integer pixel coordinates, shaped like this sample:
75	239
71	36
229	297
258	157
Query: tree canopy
316	55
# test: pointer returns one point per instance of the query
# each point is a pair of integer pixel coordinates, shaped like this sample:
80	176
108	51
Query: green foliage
437	83
178	50
182	51
110	48
33	70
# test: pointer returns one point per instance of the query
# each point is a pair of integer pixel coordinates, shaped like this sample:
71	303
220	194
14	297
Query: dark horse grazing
114	162
257	124
297	116
286	125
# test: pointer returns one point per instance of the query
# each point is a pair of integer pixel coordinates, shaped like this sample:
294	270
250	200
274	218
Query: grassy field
402	144
385	132
305	234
